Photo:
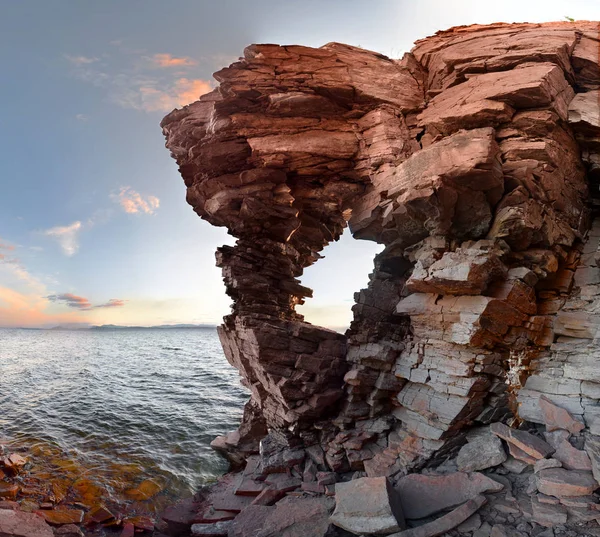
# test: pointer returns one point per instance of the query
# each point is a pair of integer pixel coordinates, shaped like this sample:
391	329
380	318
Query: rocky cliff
475	161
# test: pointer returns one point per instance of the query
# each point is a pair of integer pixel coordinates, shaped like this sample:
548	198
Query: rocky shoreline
43	490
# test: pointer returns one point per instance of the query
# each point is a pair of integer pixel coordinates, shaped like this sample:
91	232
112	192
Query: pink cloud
133	202
166	60
18	309
112	303
183	91
71	300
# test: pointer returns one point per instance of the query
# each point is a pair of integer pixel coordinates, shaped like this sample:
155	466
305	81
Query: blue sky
94	227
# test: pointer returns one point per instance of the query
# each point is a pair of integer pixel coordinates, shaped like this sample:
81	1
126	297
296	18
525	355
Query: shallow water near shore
105	411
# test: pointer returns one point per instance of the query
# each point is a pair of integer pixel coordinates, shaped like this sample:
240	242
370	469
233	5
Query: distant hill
119	327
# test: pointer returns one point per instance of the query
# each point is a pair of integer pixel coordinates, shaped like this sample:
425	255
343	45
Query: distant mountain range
119	327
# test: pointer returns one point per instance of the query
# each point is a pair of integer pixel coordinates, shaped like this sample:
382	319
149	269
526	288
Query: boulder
532	445
556	417
425	495
368	505
445	523
560	482
291	517
19	524
548	515
592	448
480	454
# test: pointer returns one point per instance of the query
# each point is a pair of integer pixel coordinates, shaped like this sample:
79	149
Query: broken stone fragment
571	457
368	505
545	464
515	466
556	417
20	524
291	517
425	495
445	523
216	529
560	482
480	454
592	448
466	271
548	515
532	445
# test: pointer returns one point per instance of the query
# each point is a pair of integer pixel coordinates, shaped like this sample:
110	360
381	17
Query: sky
94	227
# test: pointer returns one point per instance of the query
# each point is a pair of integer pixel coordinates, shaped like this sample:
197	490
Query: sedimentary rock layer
474	160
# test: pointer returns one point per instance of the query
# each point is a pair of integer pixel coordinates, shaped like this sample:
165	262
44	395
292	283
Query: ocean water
120	406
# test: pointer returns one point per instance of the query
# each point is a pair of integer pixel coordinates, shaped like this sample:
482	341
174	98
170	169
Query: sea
119	406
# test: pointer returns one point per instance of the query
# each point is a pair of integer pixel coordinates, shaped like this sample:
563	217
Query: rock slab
368	505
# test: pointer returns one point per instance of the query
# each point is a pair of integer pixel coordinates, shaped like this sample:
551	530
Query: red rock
532	445
463	140
20	524
445	523
128	530
556	417
61	515
368	505
99	514
142	523
8	491
268	496
424	495
561	483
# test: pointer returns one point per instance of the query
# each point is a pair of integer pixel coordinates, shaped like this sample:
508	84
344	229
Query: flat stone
128	530
520	455
592	448
500	530
556	417
571	457
545	464
61	515
291	517
9	491
471	524
216	529
424	495
530	444
480	454
20	524
548	515
445	523
515	466
70	530
369	505
560	482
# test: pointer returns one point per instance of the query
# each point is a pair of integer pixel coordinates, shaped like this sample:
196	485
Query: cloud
80	60
133	202
148	83
82	303
166	60
112	303
73	301
23	309
81	117
66	236
150	97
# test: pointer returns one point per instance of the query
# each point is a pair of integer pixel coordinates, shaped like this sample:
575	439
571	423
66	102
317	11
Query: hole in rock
334	279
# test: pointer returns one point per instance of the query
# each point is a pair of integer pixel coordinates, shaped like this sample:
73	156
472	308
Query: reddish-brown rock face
471	160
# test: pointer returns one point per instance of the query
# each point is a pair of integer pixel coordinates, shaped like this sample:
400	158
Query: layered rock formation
474	160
